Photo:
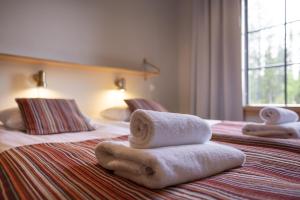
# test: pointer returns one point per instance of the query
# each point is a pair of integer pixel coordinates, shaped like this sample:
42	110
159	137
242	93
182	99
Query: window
271	57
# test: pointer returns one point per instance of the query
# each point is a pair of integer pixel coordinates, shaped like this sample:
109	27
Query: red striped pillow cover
51	116
145	104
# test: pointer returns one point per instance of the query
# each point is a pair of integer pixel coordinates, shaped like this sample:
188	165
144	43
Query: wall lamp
40	79
121	84
147	65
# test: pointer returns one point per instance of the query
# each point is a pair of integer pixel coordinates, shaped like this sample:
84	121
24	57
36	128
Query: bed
63	166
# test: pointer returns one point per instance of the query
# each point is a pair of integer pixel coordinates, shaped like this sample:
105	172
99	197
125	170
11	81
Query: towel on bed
165	166
275	115
287	130
151	129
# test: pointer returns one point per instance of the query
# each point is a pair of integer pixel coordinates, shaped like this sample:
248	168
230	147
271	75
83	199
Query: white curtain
216	59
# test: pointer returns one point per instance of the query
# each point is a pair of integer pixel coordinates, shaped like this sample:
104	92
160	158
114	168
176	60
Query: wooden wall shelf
40	61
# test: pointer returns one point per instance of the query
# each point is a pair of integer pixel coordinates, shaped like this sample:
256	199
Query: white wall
98	32
92	89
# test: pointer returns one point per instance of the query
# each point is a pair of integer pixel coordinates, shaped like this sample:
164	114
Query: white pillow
116	113
12	119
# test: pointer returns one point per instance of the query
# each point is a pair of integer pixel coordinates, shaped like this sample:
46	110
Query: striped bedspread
70	171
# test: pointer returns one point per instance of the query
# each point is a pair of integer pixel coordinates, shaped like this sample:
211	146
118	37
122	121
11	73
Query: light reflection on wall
38	92
111	98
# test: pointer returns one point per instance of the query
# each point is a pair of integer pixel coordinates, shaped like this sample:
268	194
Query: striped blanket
70	171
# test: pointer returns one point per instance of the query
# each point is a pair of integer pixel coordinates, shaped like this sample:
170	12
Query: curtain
216	60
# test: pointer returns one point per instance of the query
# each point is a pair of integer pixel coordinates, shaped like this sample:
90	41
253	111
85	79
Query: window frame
284	65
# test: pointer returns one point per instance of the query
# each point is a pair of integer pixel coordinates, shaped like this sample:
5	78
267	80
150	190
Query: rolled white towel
165	166
287	130
275	115
149	129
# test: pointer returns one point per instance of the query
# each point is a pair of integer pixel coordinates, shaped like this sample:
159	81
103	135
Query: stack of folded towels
166	149
278	123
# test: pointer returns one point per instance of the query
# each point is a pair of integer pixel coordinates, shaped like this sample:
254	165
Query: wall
96	32
93	89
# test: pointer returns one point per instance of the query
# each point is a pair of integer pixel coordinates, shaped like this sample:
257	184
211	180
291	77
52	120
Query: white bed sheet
10	139
104	129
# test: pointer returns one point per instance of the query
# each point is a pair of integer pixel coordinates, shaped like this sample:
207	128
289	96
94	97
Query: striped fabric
145	104
50	116
70	171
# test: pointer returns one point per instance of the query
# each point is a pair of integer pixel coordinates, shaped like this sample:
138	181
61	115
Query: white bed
104	129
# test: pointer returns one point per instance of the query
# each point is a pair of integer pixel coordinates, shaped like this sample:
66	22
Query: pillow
116	113
145	104
50	116
11	119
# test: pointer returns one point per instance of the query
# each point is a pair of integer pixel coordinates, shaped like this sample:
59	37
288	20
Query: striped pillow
134	104
50	116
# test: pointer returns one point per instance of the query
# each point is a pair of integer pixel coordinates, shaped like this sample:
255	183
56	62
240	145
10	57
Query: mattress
69	170
103	129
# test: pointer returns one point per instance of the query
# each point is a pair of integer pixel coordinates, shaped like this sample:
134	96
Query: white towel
165	166
287	130
275	115
151	129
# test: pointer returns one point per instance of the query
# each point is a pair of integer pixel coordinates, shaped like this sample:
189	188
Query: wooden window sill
258	108
251	113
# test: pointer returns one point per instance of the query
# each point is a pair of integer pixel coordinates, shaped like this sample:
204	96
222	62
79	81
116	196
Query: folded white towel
151	129
287	130
165	166
275	115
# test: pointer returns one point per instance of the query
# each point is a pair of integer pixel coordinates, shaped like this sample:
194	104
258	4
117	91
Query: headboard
91	86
